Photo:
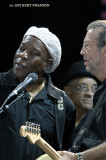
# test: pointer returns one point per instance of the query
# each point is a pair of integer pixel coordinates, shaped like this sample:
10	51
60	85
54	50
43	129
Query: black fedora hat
77	69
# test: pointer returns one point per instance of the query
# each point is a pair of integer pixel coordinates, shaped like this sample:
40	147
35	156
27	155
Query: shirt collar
51	89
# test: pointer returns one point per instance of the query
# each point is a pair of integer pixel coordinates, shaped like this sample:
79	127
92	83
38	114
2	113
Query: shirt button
28	157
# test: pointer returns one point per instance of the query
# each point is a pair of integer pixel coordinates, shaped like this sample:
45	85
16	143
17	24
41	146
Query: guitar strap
60	118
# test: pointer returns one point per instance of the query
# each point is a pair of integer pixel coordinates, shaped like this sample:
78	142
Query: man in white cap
42	103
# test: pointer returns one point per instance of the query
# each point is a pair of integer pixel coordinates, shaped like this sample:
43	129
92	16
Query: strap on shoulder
60	118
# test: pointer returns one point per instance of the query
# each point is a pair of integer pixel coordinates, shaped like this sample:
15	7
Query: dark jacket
96	133
77	129
46	109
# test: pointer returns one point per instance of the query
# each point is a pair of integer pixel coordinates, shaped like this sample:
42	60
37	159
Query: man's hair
101	37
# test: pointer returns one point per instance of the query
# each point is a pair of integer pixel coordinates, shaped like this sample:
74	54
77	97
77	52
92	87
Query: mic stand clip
3	107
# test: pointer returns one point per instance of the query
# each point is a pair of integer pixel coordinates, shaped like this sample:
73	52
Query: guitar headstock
31	131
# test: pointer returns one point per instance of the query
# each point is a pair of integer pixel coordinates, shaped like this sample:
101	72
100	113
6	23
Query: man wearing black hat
80	86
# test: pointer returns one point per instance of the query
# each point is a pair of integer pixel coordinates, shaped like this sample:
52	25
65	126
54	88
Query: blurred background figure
80	86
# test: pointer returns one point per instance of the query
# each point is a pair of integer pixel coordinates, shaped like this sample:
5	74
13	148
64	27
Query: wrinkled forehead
91	35
32	43
32	40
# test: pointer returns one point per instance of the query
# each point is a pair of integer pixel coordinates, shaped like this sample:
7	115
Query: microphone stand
4	106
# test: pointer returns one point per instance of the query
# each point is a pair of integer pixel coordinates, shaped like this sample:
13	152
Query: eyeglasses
84	88
85	45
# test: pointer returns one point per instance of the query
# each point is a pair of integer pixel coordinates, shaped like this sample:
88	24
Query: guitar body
44	157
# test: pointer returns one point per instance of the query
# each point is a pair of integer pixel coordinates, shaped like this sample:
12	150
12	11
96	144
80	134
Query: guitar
33	133
44	157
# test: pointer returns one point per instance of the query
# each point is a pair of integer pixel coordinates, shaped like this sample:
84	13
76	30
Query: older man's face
31	56
81	90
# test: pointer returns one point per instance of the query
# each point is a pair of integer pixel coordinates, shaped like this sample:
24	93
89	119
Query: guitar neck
48	149
33	135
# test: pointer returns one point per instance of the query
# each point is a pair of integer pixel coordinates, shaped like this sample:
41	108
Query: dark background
68	19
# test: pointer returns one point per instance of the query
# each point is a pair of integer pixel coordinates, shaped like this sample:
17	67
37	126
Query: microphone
32	77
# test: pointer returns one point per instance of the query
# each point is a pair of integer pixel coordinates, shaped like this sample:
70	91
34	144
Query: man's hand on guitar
65	155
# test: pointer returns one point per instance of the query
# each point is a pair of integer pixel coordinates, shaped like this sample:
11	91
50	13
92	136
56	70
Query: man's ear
50	62
103	51
67	90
